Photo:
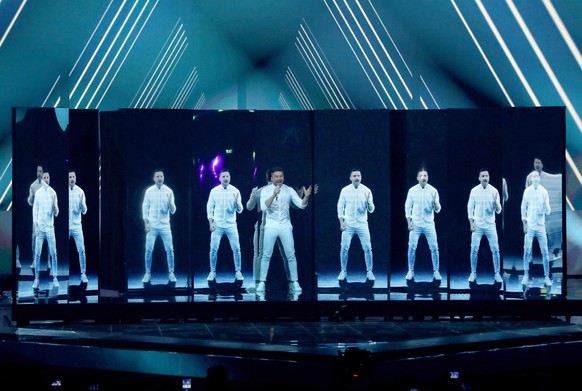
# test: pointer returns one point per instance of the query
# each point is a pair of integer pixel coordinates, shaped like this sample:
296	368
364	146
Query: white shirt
353	206
482	207
278	212
45	208
158	204
77	206
222	206
419	205
535	205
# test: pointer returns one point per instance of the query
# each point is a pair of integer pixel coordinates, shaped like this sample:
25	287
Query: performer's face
422	178
538	165
277	178
159	178
46	178
484	178
356	178
225	178
39	172
72	179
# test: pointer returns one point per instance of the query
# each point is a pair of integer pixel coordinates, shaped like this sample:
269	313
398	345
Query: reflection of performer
44	210
355	201
224	202
259	232
484	203
158	204
34	186
553	184
535	205
422	201
77	207
276	199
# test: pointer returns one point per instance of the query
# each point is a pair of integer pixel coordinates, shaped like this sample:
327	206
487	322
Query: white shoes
84	278
147	278
525	279
472	277
251	288
498	278
35	283
437	275
342	276
370	276
211	276
410	275
55	282
238	276
294	286
171	277
547	281
261	286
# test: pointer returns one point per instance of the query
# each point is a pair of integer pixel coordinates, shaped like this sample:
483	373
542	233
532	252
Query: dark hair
157	169
72	170
483	169
277	168
268	175
225	170
355	169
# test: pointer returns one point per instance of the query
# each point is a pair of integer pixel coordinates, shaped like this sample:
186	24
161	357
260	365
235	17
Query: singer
276	198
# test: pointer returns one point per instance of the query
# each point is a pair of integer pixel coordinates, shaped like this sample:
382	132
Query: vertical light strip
384	105
96	50
12	22
104	57
364	54
390	37
335	88
163	60
119	50
127	54
429	92
565	34
371	47
316	75
51	90
482	53
507	52
90	39
545	64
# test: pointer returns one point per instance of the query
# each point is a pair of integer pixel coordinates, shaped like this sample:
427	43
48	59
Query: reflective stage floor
425	353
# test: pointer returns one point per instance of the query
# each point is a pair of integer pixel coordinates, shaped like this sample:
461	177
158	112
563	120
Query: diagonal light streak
545	64
51	90
357	57
482	53
283	102
429	92
16	15
325	80
127	54
162	62
422	103
85	70
104	57
119	50
507	52
565	34
573	167
297	90
184	90
201	102
170	71
334	75
314	73
364	54
335	88
376	54
188	91
390	37
6	192
6	169
90	39
170	60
